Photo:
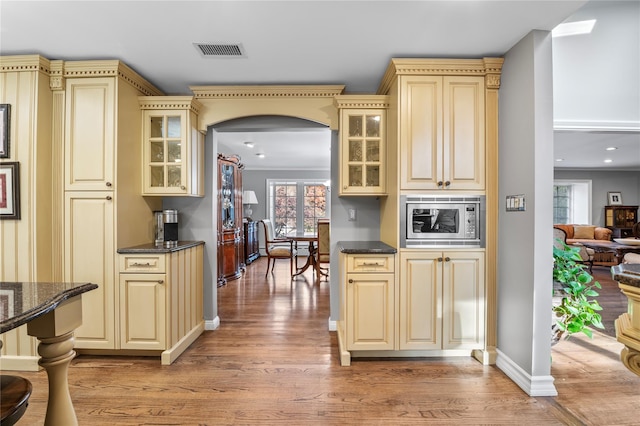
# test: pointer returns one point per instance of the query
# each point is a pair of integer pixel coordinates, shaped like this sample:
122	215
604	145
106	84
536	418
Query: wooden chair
277	248
14	398
323	253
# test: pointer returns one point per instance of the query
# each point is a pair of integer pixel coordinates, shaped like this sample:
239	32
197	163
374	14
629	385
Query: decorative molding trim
492	81
170	102
435	66
110	68
212	324
25	63
333	325
362	101
532	385
596	126
240	92
57	80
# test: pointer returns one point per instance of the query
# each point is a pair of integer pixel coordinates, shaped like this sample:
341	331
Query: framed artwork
10	190
10	300
615	198
5	113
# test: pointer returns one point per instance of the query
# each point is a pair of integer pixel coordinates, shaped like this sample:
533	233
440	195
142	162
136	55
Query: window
572	201
297	205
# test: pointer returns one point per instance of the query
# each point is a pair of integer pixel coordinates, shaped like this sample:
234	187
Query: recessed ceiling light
249	144
612	148
559	159
608	160
260	155
573	28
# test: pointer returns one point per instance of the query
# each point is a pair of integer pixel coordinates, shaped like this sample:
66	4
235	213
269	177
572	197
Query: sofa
577	234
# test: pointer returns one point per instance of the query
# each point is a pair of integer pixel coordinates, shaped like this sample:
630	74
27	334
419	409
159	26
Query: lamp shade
249	197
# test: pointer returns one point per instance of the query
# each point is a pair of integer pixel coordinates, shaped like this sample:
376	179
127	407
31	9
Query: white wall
524	241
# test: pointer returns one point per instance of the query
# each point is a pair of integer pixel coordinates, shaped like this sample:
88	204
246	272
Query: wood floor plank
272	361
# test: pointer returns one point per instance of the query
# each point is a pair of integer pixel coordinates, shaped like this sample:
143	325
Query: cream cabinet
173	148
441	300
160	300
89	257
442	133
103	209
362	145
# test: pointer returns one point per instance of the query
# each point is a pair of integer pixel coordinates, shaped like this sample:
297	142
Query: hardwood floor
272	361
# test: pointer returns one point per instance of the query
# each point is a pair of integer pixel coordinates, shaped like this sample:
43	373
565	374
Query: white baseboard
212	324
532	385
333	325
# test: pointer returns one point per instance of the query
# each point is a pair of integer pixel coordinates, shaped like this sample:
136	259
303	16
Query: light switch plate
352	215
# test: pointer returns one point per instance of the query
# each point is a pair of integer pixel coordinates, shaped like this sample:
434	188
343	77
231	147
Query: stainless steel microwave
431	221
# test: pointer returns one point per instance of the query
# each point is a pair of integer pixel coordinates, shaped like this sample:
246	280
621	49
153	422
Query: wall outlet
352	215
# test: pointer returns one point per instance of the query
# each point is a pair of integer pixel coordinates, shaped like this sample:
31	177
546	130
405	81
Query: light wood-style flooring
273	361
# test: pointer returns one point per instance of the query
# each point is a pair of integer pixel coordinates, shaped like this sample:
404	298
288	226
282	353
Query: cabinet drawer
142	263
369	263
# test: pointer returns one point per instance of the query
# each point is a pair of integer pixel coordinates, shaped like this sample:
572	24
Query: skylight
573	28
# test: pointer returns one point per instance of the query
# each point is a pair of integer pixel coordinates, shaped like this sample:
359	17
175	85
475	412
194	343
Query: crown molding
170	102
25	63
110	68
596	126
436	66
238	92
362	101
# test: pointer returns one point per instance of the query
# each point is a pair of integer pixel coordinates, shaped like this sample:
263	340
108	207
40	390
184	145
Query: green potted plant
577	310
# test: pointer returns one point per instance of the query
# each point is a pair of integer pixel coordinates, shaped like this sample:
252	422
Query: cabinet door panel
370	312
463	299
420	313
421	132
463	154
142	311
89	134
89	257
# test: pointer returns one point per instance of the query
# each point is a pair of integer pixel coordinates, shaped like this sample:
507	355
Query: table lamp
248	198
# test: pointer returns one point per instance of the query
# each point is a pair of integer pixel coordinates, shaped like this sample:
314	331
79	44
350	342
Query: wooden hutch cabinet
251	249
620	219
230	230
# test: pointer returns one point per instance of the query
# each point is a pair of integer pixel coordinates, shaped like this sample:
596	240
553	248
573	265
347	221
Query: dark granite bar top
26	301
627	273
152	248
365	247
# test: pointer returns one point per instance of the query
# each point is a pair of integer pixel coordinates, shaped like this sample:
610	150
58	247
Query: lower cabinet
437	307
160	295
251	248
441	300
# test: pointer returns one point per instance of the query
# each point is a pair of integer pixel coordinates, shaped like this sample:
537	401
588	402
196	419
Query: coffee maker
166	224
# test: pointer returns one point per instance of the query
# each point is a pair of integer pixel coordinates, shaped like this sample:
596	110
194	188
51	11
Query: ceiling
283	42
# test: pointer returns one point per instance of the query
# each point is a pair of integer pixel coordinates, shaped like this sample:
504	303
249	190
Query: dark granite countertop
26	301
365	247
627	273
152	248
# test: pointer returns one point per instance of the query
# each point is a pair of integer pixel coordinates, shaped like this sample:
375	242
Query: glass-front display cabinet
362	145
173	148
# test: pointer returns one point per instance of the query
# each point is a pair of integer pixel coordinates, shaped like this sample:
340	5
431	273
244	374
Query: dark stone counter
26	301
365	247
152	248
628	274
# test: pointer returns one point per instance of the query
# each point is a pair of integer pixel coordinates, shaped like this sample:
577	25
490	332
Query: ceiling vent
220	50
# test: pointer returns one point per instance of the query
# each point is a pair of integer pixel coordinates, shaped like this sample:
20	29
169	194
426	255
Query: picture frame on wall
10	190
5	113
615	198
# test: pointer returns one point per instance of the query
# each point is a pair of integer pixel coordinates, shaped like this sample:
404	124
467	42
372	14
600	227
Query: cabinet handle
183	187
141	264
447	259
109	198
371	264
109	184
439	259
350	281
439	183
447	183
160	281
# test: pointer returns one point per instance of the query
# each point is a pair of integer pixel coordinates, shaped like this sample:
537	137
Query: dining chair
277	248
323	254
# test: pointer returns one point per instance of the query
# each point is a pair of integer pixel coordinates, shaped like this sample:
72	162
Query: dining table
312	243
52	311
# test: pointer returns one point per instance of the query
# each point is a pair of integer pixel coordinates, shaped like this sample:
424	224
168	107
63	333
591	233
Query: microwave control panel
470	222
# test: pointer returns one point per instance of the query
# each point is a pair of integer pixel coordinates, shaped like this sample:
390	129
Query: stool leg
56	355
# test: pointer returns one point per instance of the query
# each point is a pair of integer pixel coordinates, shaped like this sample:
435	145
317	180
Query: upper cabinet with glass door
362	144
173	148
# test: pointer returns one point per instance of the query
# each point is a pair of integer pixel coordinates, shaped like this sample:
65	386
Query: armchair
586	254
277	248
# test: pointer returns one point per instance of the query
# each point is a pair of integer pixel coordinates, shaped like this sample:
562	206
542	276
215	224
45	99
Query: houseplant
578	310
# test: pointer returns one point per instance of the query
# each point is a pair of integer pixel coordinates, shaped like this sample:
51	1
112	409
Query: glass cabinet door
363	152
165	151
227	194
